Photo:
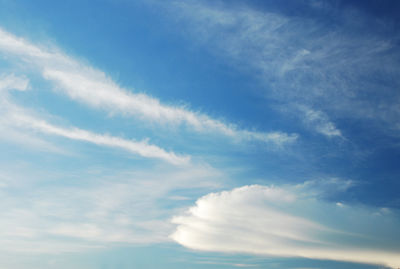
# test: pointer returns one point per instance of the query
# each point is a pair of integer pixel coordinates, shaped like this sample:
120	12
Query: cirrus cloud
94	88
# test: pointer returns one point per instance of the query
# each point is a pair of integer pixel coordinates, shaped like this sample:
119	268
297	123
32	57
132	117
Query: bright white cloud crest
287	222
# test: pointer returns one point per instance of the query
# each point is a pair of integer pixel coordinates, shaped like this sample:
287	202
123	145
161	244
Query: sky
199	134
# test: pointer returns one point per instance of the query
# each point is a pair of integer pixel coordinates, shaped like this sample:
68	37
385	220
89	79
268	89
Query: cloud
41	215
11	134
345	69
227	264
320	122
326	187
286	222
94	88
15	117
142	148
13	82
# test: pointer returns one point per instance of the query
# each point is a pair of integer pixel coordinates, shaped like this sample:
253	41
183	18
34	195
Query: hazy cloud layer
43	215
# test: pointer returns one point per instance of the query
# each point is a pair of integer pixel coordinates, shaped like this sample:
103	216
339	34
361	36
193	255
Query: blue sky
199	134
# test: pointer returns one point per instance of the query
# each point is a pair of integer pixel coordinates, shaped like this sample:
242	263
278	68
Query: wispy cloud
42	215
142	148
13	82
319	121
335	70
14	116
10	134
286	222
94	88
228	264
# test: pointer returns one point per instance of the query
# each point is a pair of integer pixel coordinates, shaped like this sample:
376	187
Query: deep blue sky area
199	134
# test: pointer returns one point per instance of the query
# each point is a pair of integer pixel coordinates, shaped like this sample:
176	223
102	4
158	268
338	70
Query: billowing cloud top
288	222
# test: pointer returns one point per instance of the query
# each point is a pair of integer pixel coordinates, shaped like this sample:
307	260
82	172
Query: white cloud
14	116
325	187
142	148
319	121
8	133
13	82
337	72
92	87
227	264
39	214
285	222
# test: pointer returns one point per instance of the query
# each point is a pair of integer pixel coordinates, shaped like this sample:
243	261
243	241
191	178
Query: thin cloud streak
319	121
15	116
142	148
92	87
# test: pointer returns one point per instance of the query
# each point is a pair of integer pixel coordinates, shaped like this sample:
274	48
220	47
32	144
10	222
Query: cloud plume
286	222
